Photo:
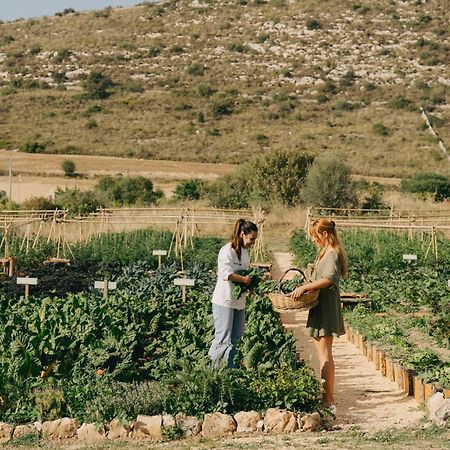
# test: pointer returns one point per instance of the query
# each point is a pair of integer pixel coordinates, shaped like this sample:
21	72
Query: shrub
205	90
39	203
380	129
77	201
230	191
189	190
68	167
62	55
279	176
439	185
222	108
33	147
401	102
237	47
97	85
91	123
127	191
313	24
196	69
328	182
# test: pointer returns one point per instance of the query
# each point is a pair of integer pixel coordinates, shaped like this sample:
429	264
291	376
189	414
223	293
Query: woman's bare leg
324	351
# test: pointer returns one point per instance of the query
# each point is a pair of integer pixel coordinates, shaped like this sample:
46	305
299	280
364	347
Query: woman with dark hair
325	320
229	312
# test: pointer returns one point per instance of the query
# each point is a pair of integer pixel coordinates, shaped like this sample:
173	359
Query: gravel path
364	397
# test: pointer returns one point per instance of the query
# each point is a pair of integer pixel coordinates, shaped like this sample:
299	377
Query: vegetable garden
69	351
409	316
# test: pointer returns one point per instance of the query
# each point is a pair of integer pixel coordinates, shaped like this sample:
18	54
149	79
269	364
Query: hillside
222	81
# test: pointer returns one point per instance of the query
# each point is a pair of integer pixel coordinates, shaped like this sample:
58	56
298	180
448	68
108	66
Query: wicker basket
283	302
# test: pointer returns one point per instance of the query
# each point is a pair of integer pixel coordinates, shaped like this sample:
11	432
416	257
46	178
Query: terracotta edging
405	379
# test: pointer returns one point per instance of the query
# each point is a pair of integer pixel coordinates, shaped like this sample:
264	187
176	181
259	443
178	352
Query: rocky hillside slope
222	81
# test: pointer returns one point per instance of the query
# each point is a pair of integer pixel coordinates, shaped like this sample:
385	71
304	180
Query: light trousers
229	327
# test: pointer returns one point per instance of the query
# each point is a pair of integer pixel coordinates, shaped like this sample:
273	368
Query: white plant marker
106	286
410	258
159	253
27	281
183	282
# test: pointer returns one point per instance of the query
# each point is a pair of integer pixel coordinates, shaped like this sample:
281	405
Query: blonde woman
325	320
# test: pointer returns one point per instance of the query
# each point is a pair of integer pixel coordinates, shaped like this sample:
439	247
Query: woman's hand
297	292
247	280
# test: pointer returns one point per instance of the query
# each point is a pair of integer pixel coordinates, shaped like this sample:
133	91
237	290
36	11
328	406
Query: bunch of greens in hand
255	273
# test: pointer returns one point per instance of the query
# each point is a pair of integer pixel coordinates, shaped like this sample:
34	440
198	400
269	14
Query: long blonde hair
317	229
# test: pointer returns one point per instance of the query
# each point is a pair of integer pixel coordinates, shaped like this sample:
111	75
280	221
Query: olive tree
328	182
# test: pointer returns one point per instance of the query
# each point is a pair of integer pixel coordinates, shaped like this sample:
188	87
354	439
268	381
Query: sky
16	9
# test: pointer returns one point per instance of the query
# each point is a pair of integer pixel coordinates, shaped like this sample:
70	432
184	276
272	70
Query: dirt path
364	397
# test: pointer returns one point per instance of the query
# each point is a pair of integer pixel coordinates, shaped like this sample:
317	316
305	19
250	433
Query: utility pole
10	179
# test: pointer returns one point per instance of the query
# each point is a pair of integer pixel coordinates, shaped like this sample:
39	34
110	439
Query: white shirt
228	263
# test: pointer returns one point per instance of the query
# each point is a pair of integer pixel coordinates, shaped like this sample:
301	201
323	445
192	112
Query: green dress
325	319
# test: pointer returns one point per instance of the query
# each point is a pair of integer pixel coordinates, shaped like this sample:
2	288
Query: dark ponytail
241	226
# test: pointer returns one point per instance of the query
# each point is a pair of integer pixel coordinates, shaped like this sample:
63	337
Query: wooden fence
185	224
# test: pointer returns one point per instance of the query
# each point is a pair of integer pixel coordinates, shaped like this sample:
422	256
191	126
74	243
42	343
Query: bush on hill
439	185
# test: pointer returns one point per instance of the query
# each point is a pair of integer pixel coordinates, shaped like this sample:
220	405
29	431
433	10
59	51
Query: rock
434	403
25	430
442	416
168	421
64	428
247	422
279	421
311	422
89	432
6	432
147	427
38	426
190	425
260	425
117	431
218	424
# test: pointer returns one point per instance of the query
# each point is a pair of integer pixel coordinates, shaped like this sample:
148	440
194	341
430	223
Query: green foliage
313	24
127	191
439	185
255	273
380	129
231	191
222	107
197	69
189	190
77	201
401	102
328	182
68	166
279	176
38	203
97	86
151	349
33	147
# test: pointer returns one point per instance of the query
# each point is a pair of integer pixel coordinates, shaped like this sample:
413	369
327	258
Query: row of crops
69	351
409	317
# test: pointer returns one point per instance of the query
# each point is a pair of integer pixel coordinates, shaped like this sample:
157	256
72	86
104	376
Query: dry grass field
223	81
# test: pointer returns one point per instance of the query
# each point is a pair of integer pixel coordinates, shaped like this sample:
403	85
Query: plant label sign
409	257
106	286
101	285
183	282
159	254
27	281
